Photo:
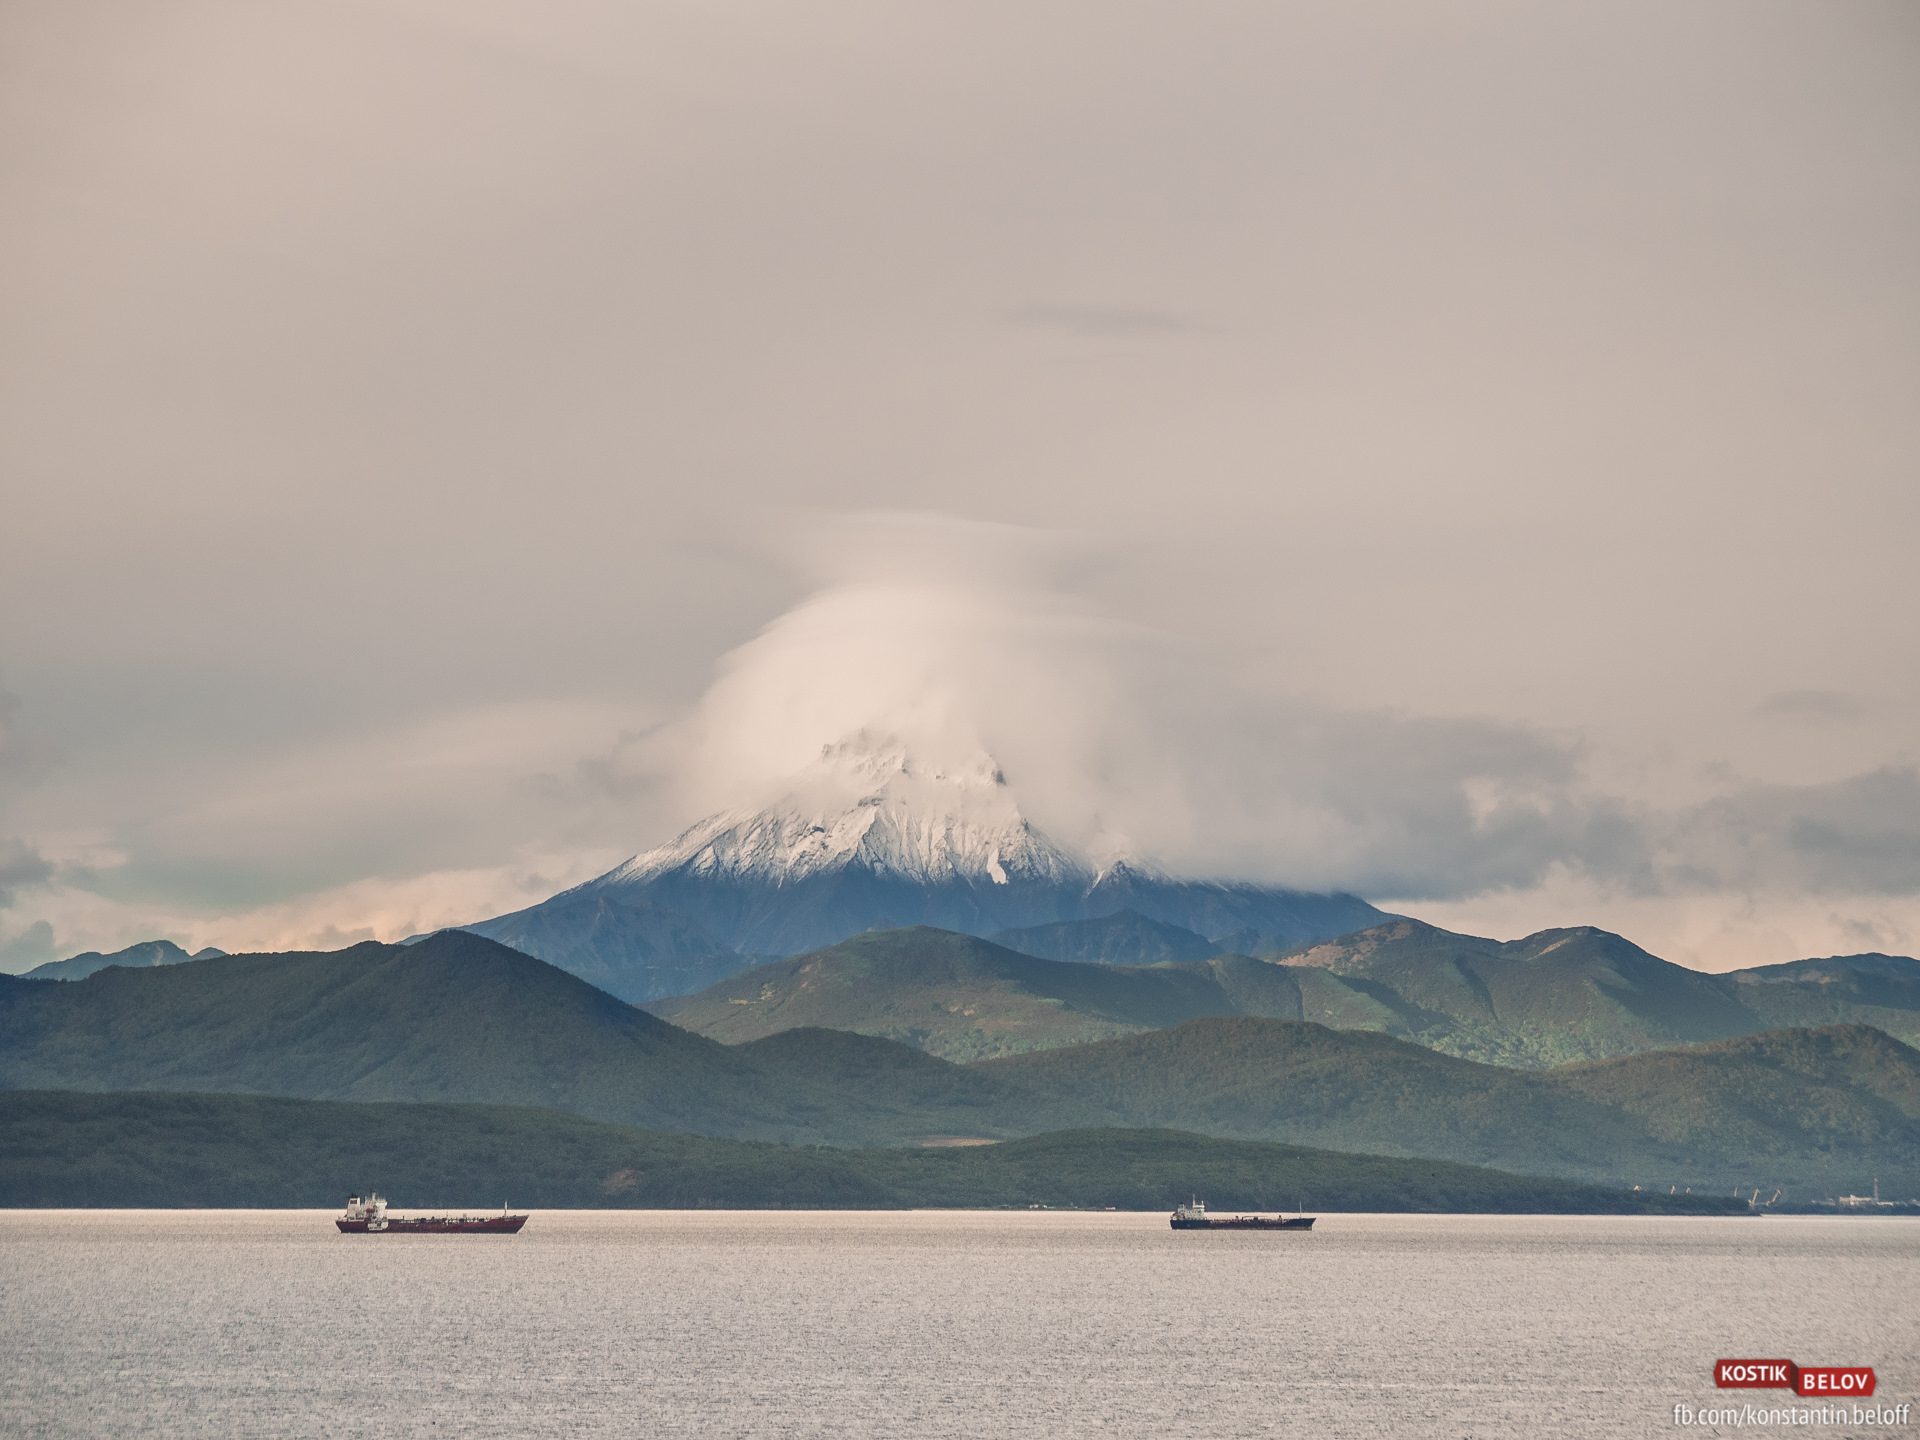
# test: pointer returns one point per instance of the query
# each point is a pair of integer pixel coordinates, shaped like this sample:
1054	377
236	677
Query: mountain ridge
144	952
1575	993
457	1019
1548	999
454	1017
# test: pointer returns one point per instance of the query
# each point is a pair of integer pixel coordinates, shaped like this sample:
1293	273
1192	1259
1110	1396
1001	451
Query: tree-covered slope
1821	1111
454	1017
1554	997
1565	995
1878	990
1128	938
458	1018
155	1150
1551	999
1781	1098
952	995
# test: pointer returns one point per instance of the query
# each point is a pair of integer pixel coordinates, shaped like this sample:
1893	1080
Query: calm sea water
251	1323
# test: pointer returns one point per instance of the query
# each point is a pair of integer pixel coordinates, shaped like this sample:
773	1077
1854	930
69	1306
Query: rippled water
255	1323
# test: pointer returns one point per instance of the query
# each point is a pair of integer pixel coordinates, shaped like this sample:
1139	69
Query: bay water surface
937	1323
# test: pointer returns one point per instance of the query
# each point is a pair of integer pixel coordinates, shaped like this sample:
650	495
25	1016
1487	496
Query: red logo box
1760	1375
1834	1380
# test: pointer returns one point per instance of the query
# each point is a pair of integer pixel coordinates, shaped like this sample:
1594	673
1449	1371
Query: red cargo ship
1194	1216
370	1218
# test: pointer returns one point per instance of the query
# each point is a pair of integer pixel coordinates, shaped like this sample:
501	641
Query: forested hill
458	1018
964	998
156	1150
455	1017
1819	1110
1553	998
1579	994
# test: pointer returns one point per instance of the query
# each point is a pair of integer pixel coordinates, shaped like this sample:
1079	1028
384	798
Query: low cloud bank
25	760
957	637
1116	737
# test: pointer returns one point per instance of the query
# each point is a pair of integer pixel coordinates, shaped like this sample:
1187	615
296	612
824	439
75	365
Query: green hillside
1554	997
948	1099
158	1150
1128	938
1565	995
1878	990
1551	999
1847	1094
458	1018
1818	1111
956	996
454	1017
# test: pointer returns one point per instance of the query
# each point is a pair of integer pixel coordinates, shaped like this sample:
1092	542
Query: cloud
957	637
20	865
1120	738
1859	835
461	790
1299	302
1099	321
25	760
32	946
1812	705
960	637
376	907
1710	930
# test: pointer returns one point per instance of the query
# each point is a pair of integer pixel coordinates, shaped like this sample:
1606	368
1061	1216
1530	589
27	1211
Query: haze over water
930	1324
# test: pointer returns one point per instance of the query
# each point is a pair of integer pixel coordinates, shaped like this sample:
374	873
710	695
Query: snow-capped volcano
871	807
870	837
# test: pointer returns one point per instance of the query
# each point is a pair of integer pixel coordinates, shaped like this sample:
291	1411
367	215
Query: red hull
440	1225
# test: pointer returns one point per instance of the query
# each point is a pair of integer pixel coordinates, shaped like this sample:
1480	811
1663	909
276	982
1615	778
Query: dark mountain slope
69	1149
1128	938
1550	999
1833	969
952	995
455	1017
1822	1110
1254	987
1236	916
1565	995
878	1071
1844	1089
458	1018
1878	990
628	948
584	930
1272	1079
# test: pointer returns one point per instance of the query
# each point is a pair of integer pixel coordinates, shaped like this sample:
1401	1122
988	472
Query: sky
1465	455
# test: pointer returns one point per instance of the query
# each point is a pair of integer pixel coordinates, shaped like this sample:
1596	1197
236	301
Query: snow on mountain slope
873	837
874	807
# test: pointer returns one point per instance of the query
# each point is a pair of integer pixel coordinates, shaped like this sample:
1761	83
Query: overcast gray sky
1466	453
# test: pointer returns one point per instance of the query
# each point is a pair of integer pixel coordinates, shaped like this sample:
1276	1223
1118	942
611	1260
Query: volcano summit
871	838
